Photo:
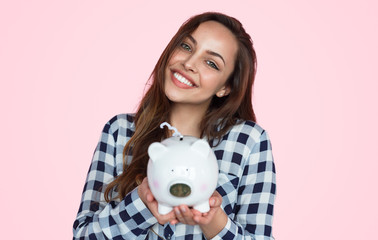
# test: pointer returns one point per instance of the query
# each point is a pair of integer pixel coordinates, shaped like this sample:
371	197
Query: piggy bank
182	170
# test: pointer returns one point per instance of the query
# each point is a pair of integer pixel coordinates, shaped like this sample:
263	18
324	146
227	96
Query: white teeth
182	79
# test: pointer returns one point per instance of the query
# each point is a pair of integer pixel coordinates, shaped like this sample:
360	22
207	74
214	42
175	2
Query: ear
224	91
201	146
155	150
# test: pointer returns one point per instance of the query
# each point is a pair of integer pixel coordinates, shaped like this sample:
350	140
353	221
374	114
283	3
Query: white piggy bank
182	171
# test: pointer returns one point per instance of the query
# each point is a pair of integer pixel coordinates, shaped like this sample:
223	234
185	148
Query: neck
187	118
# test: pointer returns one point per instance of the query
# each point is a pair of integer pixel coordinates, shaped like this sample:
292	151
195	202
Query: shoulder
247	128
246	132
243	137
120	124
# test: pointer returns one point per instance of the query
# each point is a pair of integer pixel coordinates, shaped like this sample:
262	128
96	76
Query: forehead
216	37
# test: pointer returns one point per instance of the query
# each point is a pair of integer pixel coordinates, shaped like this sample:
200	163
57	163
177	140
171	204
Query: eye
212	64
186	47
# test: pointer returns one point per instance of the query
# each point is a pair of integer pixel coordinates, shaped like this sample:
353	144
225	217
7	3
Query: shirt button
169	237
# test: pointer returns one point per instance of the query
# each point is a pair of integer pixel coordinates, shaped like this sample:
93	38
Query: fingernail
212	202
177	211
183	209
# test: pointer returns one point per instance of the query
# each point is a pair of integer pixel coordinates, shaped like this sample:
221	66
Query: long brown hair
155	106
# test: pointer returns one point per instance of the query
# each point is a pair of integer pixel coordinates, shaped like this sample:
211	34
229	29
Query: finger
187	214
212	201
179	216
198	219
184	215
204	219
169	216
174	222
215	203
184	210
197	215
162	219
149	197
145	182
215	200
196	212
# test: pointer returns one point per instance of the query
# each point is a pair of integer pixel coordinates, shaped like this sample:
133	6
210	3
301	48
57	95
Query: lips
182	81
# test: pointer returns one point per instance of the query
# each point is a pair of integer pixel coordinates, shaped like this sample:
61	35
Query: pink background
67	67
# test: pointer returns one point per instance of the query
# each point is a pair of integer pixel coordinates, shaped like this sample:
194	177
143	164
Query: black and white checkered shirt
246	183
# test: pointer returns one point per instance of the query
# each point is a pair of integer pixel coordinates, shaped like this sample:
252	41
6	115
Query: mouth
183	80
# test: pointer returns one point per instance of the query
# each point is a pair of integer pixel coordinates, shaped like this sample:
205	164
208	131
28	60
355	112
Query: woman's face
200	66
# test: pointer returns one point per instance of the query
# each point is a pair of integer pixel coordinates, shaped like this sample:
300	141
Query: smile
182	79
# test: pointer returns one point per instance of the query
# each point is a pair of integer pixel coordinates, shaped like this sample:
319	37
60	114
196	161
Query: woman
202	85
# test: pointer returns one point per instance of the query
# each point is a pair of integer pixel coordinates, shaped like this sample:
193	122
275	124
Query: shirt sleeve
256	195
97	219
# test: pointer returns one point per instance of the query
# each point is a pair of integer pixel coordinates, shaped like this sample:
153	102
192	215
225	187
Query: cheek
203	187
176	57
156	184
212	81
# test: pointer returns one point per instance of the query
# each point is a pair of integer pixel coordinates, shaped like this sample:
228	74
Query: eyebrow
207	51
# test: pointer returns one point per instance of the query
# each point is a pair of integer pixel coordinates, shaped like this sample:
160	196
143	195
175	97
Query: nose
180	190
190	63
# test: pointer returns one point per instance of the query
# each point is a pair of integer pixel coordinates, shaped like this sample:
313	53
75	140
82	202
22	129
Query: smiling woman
197	69
202	85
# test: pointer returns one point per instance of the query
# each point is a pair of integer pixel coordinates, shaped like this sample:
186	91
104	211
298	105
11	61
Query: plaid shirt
246	183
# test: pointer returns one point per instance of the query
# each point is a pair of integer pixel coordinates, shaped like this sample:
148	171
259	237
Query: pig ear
155	150
202	147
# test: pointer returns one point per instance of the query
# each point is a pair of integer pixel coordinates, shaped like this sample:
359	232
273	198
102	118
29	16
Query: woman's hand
148	199
185	215
215	202
211	222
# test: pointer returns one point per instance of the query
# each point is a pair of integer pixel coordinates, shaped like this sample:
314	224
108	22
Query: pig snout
180	190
